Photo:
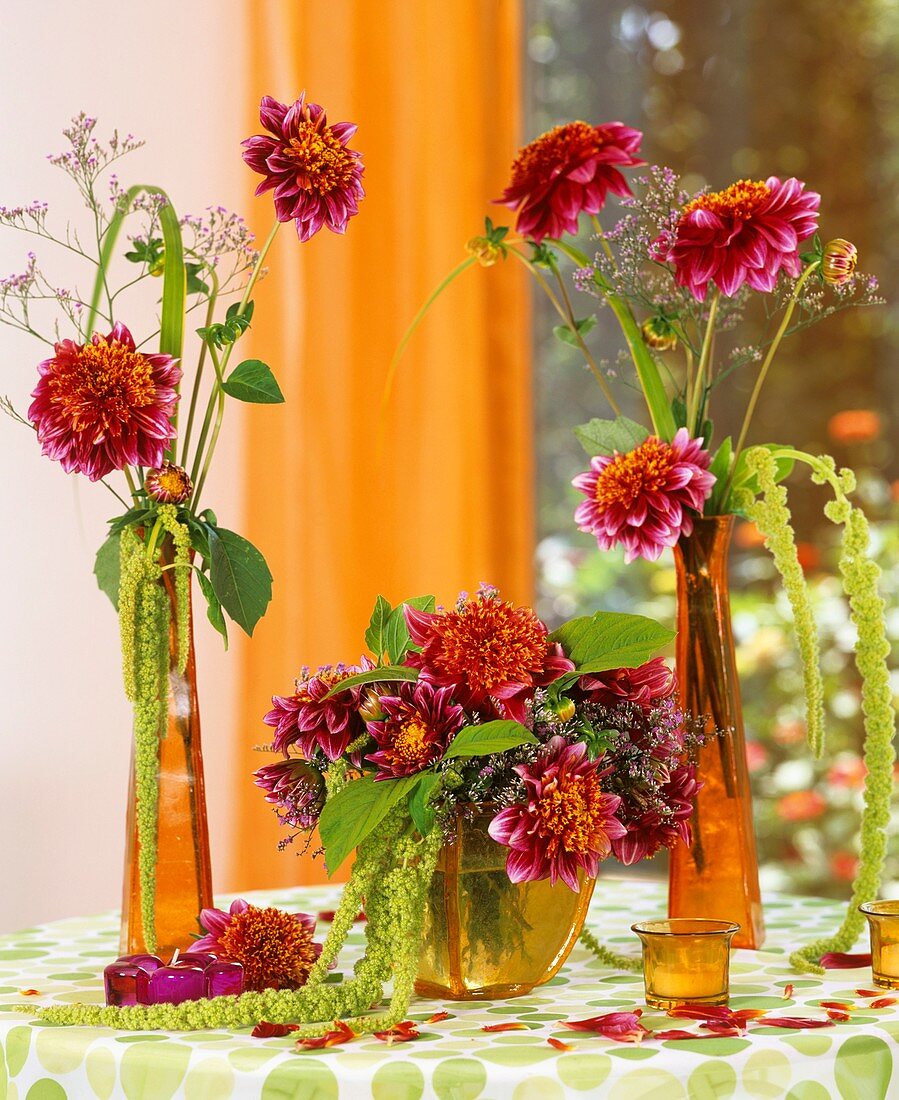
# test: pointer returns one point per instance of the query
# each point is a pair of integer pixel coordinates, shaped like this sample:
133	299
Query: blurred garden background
725	90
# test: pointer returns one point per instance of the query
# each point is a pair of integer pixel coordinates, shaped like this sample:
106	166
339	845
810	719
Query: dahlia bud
563	709
838	261
169	484
658	334
370	709
486	251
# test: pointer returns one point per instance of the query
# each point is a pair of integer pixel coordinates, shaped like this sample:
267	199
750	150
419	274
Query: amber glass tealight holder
686	960
883	926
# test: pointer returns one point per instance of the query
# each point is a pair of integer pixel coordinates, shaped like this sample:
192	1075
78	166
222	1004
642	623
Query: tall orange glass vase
717	876
183	867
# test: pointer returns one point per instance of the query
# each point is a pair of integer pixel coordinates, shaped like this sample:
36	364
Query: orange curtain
436	91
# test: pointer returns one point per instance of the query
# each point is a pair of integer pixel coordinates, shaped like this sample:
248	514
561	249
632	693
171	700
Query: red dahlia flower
644	499
649	831
419	725
568	823
317	180
492	654
744	234
568	171
642	686
102	406
275	948
310	720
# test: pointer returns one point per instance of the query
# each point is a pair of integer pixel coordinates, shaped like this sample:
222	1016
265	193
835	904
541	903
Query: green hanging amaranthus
145	623
391	875
860	578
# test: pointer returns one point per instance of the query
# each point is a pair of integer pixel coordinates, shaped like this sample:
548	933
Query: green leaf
376	635
240	578
564	333
380	675
720	467
420	807
253	381
354	811
610	639
398	639
605	437
134	517
490	737
199	535
106	568
213	608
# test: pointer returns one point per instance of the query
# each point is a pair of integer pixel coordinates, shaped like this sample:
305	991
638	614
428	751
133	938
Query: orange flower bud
485	250
838	263
658	334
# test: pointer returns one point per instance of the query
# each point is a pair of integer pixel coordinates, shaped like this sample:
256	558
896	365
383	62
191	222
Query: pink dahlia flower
310	720
317	180
420	723
643	686
492	654
102	406
568	822
274	947
644	500
566	172
295	789
648	830
747	233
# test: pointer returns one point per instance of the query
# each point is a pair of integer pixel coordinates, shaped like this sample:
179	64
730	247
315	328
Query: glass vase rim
887	907
665	927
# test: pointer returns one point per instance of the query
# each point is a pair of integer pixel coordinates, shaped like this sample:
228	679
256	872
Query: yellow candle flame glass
686	960
883	927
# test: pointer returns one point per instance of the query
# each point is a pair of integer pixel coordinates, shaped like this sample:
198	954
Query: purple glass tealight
145	979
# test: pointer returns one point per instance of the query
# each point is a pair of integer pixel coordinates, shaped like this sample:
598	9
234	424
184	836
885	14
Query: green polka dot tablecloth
455	1059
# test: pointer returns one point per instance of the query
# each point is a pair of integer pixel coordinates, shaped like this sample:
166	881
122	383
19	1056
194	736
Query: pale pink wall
169	71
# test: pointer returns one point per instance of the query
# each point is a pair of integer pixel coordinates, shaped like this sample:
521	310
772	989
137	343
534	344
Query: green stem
153	539
195	392
704	363
760	381
217	396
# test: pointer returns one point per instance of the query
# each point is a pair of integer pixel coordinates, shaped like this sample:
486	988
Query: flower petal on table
868	993
674	1033
788	991
266	1030
437	1018
342	1033
623	1027
557	1044
509	1025
839	960
883	1002
794	1022
403	1032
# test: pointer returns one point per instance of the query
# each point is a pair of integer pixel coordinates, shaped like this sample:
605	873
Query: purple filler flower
317	180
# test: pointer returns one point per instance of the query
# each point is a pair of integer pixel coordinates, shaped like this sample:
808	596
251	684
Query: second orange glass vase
486	937
717	876
183	868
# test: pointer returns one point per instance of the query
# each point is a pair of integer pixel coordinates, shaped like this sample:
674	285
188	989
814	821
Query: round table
455	1059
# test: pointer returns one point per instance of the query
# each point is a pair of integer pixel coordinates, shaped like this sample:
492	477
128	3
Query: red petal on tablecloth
266	1030
867	992
794	1022
837	1016
437	1017
403	1032
29	993
720	1014
788	991
884	1002
623	1027
559	1045
840	1006
511	1025
675	1033
342	1033
838	960
722	1028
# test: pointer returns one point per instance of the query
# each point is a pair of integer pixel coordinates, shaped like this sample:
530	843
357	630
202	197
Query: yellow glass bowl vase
486	937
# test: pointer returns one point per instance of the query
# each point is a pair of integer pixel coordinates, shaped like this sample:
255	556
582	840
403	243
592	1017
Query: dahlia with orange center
746	233
644	500
170	484
493	654
419	724
313	721
275	948
566	172
567	823
102	406
317	180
